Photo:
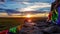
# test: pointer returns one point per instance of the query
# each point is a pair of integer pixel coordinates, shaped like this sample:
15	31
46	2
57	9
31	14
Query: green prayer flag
13	29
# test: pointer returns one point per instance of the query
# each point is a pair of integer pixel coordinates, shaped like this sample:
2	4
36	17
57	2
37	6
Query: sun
28	16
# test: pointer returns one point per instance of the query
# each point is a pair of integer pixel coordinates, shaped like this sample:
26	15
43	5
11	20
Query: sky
27	5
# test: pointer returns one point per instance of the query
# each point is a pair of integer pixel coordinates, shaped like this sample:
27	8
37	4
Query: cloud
26	6
49	1
34	6
25	3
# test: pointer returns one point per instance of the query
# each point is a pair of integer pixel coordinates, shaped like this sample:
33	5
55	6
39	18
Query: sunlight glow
28	16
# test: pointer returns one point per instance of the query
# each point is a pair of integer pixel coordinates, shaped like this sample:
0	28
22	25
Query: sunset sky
27	5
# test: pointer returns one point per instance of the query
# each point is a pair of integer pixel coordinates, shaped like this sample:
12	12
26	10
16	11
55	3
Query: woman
55	18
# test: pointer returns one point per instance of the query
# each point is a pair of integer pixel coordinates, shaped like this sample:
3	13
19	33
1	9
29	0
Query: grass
6	23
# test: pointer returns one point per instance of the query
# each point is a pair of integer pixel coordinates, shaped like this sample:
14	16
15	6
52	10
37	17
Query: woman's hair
55	4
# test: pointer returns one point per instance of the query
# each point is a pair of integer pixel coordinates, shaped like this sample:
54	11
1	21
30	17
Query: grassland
6	23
